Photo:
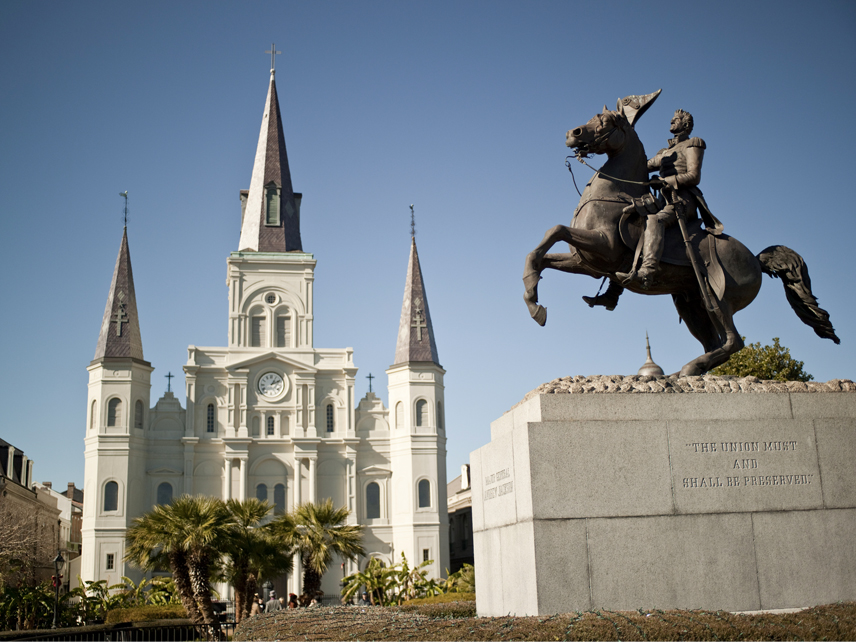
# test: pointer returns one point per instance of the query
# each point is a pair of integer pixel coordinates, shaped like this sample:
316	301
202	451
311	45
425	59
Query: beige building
268	415
31	532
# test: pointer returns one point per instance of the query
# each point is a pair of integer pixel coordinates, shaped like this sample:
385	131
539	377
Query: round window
271	298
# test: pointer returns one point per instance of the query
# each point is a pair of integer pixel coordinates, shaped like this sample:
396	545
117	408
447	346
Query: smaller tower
115	443
649	367
419	515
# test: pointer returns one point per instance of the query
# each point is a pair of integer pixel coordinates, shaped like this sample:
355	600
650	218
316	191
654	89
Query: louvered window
257	338
138	415
283	332
272	205
330	425
421	413
270	426
114	412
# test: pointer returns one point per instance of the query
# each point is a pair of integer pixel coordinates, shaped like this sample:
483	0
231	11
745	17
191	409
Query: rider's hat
634	106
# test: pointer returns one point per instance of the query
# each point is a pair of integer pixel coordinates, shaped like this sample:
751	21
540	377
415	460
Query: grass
457	621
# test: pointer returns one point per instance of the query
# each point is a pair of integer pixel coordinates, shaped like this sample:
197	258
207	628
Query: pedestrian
256	608
272	604
292	601
364	600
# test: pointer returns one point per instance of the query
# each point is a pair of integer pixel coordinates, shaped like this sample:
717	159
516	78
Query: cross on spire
169	377
412	222
418	319
370	377
273	52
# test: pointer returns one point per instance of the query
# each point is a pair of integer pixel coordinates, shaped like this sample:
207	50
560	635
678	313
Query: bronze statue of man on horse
619	222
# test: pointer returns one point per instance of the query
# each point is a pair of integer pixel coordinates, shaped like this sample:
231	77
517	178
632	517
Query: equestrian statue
645	235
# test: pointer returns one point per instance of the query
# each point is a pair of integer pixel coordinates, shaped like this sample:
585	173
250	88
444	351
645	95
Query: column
298	464
242	486
312	465
228	492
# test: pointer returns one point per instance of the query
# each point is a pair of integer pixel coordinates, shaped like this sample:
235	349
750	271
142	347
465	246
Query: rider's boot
652	250
608	299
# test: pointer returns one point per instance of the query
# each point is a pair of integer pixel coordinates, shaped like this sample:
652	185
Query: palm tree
189	534
154	540
252	552
317	532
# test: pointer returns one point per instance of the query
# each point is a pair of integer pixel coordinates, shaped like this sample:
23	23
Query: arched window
165	493
279	499
211	418
138	415
399	415
424	494
111	496
452	533
283	331
114	412
373	501
93	414
421	413
270	426
440	421
256	424
261	493
330	417
271	204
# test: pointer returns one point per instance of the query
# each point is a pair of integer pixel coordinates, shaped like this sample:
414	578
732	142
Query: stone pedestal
695	493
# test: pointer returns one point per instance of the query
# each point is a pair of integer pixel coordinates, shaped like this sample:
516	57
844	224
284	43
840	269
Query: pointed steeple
271	220
415	332
120	327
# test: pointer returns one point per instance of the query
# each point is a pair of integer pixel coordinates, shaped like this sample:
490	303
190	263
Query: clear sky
458	107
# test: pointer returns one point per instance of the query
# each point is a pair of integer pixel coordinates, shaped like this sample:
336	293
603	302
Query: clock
271	385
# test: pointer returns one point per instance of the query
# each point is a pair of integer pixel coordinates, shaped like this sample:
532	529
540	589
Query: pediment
375	471
297	366
163	471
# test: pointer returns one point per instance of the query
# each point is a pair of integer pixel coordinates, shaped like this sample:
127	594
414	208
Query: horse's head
607	132
603	134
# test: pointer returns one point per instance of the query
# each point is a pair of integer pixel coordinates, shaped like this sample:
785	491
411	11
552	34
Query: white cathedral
270	415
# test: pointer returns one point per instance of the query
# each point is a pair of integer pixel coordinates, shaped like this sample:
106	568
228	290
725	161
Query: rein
581	157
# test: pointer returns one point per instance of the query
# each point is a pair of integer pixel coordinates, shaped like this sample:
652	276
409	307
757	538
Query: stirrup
602	299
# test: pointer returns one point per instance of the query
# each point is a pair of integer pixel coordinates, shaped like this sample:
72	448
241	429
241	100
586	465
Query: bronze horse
604	233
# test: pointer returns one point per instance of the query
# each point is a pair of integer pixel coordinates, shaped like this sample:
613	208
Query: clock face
271	384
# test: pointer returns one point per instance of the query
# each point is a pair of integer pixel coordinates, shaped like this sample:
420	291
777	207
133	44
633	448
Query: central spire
271	220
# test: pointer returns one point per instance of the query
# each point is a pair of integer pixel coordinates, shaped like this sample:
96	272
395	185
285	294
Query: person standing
272	604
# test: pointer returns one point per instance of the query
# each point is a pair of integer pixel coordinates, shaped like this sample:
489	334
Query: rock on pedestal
642	492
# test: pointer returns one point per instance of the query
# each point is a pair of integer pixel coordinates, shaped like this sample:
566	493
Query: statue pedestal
695	493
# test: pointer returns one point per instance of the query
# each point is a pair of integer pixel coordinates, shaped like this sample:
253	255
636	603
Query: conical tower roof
120	327
270	186
415	332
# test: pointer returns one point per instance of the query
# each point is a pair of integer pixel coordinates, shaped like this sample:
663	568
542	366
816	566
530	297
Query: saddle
703	241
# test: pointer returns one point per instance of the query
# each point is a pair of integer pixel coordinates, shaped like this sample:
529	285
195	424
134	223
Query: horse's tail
781	262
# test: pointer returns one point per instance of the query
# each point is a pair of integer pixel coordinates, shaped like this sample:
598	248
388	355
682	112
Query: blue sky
458	107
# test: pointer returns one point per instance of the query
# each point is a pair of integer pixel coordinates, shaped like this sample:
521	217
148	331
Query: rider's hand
656	182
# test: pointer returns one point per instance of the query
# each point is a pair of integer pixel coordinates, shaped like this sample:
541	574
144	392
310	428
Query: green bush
444	598
146	613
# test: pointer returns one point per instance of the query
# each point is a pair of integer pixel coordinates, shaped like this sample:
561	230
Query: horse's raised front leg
531	275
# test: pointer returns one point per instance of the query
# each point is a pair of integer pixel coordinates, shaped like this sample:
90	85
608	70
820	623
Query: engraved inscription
774	462
503	488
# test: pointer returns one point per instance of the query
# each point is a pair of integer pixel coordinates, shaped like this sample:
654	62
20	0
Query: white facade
270	415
